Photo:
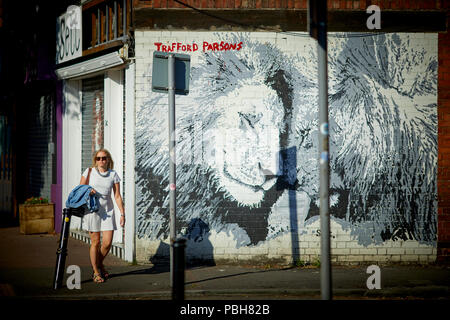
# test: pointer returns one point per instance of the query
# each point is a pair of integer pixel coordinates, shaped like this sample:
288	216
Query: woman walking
103	179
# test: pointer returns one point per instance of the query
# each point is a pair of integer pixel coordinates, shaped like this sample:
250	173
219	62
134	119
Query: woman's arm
118	197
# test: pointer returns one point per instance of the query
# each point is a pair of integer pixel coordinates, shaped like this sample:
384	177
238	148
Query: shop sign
68	35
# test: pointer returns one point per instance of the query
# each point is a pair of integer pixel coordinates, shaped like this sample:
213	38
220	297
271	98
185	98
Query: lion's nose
266	172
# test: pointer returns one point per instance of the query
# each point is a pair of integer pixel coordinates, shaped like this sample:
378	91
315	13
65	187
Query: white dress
103	219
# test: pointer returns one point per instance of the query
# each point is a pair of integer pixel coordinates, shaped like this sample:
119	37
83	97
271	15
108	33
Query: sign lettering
205	46
68	35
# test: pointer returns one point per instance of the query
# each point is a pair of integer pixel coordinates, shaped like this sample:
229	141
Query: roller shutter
5	165
92	110
41	137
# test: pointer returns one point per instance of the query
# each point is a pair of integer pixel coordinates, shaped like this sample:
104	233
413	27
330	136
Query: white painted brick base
222	248
306	251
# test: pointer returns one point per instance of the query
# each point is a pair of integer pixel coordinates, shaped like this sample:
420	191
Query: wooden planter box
37	218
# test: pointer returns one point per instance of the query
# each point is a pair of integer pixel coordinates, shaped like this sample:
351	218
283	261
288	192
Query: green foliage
316	263
307	264
36	200
301	263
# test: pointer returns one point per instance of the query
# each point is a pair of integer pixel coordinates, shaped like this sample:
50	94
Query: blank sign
159	72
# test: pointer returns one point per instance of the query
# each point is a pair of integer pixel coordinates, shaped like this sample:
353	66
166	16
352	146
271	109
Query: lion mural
247	149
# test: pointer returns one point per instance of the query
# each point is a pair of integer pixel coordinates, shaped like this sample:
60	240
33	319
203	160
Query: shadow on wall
287	180
161	259
199	250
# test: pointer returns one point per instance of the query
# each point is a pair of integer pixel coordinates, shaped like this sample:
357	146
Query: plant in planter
36	215
36	200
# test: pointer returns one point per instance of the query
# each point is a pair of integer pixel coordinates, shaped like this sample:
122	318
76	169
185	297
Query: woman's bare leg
107	237
94	250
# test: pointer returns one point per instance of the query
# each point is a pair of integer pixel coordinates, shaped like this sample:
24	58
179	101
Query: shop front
98	78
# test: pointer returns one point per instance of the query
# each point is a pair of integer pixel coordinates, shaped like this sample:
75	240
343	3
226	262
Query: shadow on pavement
238	274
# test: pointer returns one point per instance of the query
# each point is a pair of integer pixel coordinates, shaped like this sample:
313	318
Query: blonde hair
110	164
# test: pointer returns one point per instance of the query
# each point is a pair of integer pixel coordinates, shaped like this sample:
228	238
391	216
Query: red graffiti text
181	47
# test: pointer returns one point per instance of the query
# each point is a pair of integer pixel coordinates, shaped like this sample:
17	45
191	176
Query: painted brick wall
245	231
443	168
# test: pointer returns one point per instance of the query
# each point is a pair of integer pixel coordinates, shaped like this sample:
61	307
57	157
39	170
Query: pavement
27	266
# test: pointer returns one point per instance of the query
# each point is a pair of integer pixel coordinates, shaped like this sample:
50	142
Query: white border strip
130	196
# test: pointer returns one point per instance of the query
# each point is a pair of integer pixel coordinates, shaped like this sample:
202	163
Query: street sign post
170	75
317	27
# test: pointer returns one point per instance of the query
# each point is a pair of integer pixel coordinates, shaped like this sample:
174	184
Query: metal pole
179	266
325	263
172	159
61	252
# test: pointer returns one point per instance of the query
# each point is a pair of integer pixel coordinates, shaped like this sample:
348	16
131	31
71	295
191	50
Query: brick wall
443	178
221	244
292	4
443	175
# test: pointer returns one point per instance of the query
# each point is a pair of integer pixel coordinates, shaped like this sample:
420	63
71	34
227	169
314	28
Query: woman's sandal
97	278
105	272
